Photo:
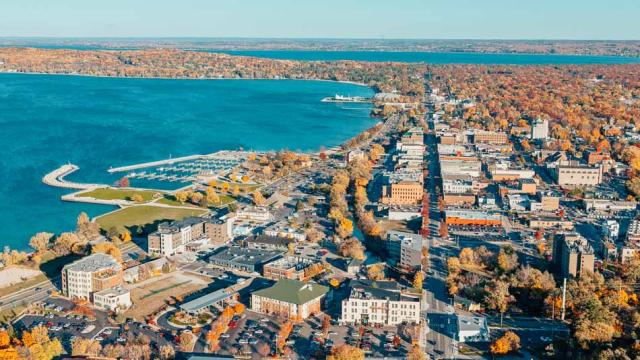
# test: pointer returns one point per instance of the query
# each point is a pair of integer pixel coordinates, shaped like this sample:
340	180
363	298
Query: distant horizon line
300	38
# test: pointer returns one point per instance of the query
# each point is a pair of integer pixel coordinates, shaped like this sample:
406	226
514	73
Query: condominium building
91	274
380	302
172	238
291	299
572	255
405	249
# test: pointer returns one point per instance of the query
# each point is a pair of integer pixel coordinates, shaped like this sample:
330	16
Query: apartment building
572	255
379	302
89	275
404	249
291	299
172	238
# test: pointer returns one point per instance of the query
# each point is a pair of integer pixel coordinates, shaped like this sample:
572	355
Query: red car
233	324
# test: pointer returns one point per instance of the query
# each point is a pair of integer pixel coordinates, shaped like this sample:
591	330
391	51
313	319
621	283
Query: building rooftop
93	263
207	300
243	255
270	240
370	289
471	323
113	292
291	262
409	240
293	291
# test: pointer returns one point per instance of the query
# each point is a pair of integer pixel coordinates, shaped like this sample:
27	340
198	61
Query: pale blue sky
426	19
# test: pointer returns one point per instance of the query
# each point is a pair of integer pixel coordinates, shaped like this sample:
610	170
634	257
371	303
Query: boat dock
155	163
56	178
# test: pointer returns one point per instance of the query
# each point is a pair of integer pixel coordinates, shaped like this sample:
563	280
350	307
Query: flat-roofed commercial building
459	199
289	267
113	299
472	168
402	193
538	223
473	218
572	174
243	259
291	299
490	137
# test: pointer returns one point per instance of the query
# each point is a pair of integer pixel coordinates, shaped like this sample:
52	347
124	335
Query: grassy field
119	194
148	217
153	294
170	200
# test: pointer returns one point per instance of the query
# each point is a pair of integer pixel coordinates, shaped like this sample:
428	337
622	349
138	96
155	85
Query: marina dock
155	163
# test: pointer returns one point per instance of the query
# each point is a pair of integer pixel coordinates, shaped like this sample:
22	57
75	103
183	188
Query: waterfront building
291	299
94	273
380	302
172	238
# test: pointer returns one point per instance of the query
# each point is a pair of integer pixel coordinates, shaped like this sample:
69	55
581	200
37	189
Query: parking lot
256	335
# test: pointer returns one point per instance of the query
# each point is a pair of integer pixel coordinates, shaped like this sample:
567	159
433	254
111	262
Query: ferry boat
346	99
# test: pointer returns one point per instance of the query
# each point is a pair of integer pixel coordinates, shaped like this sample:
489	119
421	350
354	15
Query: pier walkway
56	178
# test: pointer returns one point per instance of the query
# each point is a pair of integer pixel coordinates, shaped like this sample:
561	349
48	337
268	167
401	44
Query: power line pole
564	296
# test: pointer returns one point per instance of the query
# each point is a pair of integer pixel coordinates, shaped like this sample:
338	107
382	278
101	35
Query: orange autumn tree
507	343
238	308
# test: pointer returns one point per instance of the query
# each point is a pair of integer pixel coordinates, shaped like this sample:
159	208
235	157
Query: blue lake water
96	123
436	57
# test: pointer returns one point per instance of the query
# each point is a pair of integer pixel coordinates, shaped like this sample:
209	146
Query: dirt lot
150	295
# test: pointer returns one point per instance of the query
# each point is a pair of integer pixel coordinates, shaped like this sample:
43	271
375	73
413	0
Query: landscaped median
146	217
